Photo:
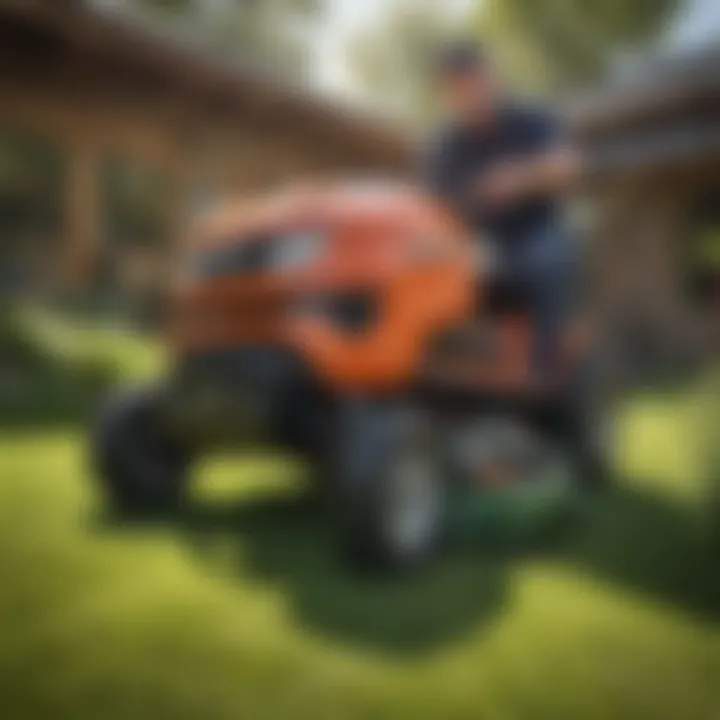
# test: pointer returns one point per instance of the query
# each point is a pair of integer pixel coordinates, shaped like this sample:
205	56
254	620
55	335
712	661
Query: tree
390	60
562	44
270	35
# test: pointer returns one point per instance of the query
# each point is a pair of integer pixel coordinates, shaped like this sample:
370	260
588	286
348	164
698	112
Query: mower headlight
298	250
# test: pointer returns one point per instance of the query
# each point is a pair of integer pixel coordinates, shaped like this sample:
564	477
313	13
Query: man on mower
503	168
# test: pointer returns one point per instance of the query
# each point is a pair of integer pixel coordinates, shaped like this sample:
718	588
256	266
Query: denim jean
545	265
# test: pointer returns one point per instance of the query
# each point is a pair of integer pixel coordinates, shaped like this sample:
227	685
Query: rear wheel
587	429
391	491
142	468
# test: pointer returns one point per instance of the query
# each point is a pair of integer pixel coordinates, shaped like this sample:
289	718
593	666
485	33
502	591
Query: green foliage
30	180
391	59
560	44
705	251
135	203
271	35
541	44
53	372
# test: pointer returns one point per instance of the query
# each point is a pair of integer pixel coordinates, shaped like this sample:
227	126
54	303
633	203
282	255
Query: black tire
587	429
320	451
376	441
142	469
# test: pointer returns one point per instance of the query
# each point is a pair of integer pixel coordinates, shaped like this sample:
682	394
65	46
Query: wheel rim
412	507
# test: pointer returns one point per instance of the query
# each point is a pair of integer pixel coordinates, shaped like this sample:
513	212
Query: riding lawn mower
363	329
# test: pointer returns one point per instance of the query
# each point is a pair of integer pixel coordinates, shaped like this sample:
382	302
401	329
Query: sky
344	17
699	22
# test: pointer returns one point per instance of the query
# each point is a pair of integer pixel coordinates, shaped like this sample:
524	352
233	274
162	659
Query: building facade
653	140
112	136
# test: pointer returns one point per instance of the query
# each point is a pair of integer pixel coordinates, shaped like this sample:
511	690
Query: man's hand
502	185
550	174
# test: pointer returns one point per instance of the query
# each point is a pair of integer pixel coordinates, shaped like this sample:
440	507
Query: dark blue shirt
460	155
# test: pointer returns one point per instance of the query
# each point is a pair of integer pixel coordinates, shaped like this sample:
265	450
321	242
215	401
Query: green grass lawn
241	611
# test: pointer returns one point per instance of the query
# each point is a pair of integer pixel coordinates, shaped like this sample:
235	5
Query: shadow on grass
287	542
655	546
642	542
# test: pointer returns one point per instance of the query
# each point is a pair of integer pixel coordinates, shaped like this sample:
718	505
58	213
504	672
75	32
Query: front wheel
391	492
142	468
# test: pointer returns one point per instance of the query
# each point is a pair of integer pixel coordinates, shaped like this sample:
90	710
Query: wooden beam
82	215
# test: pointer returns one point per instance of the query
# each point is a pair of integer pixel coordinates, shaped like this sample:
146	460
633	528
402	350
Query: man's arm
548	166
551	173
